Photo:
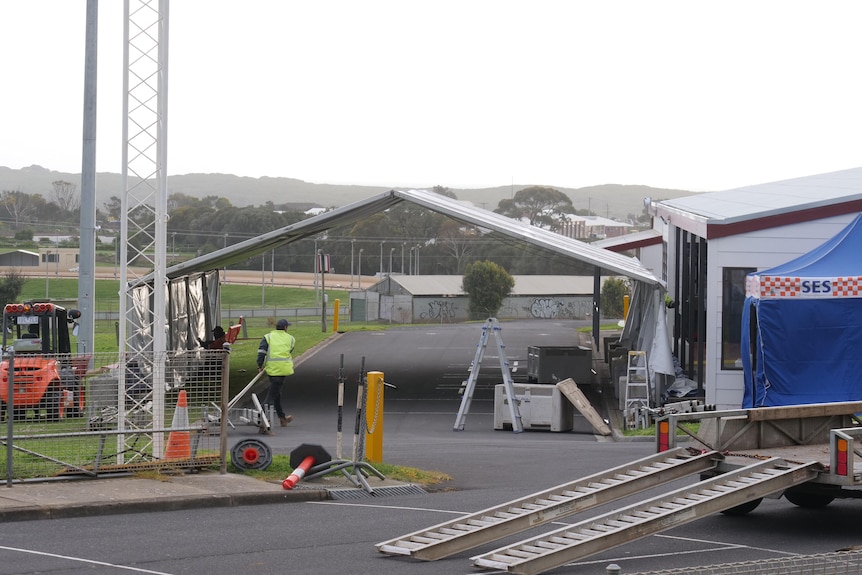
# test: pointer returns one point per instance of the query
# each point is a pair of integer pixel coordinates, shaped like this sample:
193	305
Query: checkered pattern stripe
776	286
847	287
804	287
752	286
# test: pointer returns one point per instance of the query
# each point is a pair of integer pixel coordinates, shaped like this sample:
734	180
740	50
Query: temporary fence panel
838	563
75	427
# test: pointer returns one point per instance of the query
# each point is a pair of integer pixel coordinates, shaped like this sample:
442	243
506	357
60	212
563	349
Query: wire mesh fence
838	563
91	415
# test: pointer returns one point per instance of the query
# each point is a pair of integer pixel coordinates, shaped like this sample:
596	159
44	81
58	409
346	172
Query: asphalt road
488	467
429	361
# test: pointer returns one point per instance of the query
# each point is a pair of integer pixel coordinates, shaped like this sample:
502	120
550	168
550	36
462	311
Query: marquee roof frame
610	262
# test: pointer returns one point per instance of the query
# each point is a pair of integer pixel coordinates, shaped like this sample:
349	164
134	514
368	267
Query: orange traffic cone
179	442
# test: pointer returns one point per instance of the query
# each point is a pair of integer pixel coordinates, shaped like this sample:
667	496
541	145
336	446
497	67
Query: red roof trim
653	241
768	222
719	230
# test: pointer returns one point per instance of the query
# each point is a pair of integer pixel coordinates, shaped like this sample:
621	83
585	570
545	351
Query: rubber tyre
808	500
51	401
743	509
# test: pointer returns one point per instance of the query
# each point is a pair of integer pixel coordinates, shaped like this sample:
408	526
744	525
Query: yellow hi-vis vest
278	358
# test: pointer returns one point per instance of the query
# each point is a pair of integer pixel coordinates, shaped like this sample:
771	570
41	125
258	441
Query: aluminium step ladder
491	326
574	542
636	407
519	515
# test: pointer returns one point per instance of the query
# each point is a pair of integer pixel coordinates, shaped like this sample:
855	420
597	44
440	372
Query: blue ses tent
802	326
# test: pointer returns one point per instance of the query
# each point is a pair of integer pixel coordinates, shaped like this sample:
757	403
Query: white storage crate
541	406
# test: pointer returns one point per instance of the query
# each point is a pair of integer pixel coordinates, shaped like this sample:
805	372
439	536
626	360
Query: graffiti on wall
552	308
440	309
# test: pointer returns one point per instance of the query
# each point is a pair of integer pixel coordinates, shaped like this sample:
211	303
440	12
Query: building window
49	257
733	298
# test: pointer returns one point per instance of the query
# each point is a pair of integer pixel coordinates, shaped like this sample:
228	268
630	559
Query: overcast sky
467	93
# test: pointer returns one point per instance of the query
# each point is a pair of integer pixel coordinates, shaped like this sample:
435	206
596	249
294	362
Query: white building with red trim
708	244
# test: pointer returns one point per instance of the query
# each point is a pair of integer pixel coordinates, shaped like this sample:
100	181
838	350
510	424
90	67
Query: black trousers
276	383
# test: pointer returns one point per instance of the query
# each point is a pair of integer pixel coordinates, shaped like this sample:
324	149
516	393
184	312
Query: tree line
406	238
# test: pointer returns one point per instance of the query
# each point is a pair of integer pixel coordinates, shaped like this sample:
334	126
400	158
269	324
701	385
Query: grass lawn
243	358
107	296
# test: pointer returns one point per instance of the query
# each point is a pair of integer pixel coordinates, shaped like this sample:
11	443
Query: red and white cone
298	473
179	442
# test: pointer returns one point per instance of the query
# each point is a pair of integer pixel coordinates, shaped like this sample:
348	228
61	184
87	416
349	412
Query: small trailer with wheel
806	453
827	433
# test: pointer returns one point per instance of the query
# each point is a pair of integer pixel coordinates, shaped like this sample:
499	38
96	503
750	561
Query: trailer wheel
51	401
808	500
747	507
19	413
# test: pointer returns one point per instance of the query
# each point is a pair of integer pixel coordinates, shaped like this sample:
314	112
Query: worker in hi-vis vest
275	356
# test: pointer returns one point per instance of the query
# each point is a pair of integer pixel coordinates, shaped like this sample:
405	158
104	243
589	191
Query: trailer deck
807	453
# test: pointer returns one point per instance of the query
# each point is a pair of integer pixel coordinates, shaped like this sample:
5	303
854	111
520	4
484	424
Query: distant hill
610	200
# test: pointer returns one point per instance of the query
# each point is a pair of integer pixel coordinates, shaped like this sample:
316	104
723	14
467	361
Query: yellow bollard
374	417
335	306
626	306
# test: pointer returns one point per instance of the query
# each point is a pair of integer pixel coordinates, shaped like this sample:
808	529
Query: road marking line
344	504
654	556
737	545
81	560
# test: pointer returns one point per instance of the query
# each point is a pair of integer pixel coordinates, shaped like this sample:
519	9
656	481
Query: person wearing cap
218	339
275	357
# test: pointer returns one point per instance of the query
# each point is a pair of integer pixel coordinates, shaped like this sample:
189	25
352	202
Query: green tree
10	286
541	205
487	285
113	209
613	291
25	235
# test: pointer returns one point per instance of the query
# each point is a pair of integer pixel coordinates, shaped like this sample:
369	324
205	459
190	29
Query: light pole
224	269
47	264
381	259
410	271
352	245
389	277
402	256
417	258
359	272
318	264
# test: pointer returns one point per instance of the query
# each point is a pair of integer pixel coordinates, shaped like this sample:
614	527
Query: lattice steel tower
144	198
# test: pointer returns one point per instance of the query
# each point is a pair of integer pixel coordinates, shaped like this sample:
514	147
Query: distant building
47	260
591	227
439	298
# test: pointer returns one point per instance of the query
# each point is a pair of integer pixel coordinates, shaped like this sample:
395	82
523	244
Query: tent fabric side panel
810	351
749	315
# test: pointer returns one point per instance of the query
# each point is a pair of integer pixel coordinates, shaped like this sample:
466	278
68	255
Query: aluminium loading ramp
661	513
467	532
